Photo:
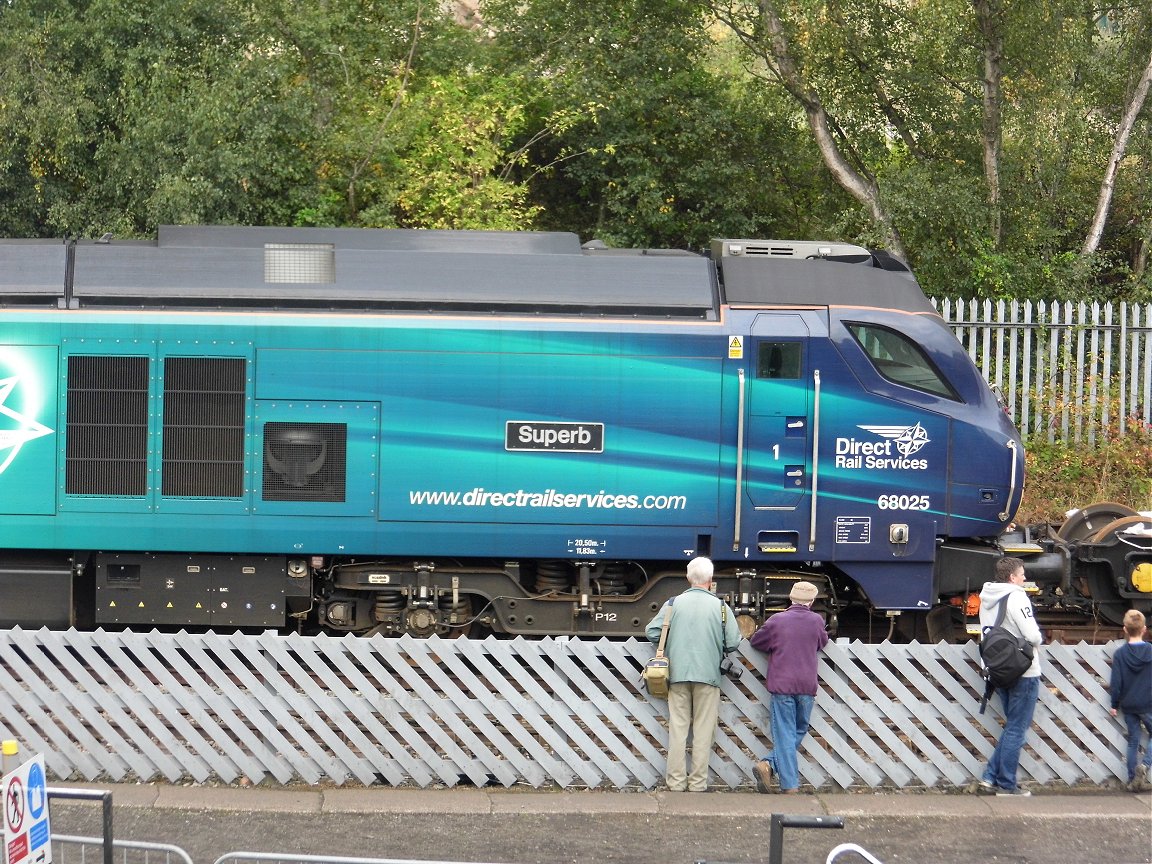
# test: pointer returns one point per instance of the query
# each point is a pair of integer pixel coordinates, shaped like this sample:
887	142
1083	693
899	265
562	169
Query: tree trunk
1092	242
989	19
1140	259
860	187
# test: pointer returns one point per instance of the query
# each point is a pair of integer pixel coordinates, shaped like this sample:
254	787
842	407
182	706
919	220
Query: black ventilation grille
305	461
107	450
203	427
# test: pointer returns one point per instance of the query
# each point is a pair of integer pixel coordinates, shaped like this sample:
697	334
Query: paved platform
531	826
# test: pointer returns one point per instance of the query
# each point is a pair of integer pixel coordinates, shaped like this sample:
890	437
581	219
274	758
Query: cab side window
780	360
900	360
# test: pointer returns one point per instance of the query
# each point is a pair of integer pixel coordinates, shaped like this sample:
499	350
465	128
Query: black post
780	821
105	799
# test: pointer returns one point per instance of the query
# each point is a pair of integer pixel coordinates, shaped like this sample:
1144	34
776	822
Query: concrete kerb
885	804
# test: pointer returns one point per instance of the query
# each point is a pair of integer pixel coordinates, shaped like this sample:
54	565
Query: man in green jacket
702	628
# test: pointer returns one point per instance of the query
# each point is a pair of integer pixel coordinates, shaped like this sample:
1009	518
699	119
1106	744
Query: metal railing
1067	370
69	849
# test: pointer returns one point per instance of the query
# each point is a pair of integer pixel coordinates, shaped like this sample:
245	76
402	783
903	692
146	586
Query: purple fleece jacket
792	639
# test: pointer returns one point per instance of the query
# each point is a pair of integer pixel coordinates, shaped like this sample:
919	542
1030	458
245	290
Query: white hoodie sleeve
1020	608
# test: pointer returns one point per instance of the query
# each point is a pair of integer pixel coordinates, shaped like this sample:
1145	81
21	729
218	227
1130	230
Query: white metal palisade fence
1067	370
234	708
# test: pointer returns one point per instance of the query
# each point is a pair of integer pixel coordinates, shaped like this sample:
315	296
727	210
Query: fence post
11	756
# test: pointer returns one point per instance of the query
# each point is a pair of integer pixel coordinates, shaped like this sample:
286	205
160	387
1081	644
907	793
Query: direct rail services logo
893	450
16	429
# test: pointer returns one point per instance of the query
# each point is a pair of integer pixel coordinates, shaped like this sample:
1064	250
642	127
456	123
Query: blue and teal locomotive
427	432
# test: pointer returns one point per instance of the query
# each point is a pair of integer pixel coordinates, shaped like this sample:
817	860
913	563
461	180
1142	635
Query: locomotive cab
875	443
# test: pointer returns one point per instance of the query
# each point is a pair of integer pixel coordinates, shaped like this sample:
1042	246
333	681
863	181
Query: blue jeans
790	716
1019	703
1134	722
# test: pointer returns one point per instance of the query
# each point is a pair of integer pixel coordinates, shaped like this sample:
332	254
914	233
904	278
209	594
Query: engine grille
203	427
107	426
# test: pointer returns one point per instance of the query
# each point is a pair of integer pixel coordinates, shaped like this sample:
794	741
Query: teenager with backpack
1007	595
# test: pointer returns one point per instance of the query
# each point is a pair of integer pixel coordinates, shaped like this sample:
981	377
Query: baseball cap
803	592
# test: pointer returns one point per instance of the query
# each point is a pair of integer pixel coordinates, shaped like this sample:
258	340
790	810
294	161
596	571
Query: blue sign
37	791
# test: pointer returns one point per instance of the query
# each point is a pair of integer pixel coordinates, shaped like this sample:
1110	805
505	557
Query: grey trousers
695	707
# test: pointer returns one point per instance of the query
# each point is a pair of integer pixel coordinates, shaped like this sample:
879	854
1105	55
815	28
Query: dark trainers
983	787
763	773
1013	793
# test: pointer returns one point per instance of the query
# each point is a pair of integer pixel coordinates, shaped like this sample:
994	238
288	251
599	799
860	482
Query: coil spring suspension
388	604
553	576
613	580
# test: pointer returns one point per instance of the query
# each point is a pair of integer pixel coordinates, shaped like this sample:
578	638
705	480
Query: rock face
466	12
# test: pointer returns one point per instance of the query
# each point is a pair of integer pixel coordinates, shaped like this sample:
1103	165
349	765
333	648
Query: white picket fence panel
116	707
1067	370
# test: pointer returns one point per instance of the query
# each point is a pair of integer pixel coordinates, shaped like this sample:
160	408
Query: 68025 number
903	502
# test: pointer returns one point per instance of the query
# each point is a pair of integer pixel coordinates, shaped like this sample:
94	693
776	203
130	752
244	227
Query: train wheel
1118	525
946	624
1110	607
1087	521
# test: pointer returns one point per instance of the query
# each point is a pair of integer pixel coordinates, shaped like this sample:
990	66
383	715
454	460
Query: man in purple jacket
792	639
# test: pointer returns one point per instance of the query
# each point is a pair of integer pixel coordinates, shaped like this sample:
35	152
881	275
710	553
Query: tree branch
1108	185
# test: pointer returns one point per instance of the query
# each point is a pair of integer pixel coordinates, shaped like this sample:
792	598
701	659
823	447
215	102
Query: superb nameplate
554	437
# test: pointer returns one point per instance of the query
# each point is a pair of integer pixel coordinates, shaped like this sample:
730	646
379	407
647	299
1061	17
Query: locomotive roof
427	271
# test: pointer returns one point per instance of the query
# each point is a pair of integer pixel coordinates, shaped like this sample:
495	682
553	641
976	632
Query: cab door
779	407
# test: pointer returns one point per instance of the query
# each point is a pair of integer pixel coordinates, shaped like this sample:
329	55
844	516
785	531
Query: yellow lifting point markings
735	349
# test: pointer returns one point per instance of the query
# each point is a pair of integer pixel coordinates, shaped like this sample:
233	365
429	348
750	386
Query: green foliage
1063	476
641	123
137	114
457	158
671	144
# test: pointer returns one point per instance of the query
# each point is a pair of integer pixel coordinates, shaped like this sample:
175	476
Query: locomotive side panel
579	431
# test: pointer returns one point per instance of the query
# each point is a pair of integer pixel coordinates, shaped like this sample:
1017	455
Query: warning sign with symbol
26	829
735	348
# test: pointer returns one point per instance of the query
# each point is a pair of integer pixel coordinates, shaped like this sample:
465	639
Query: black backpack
1005	656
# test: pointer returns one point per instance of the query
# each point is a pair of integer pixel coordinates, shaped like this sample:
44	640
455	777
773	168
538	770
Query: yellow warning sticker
735	349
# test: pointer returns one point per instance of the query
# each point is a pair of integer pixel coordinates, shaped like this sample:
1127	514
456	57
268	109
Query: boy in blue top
1131	692
702	628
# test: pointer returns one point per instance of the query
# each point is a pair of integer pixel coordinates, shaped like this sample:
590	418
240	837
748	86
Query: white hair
700	571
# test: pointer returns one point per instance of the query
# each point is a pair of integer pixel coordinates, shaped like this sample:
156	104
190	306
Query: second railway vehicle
426	432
